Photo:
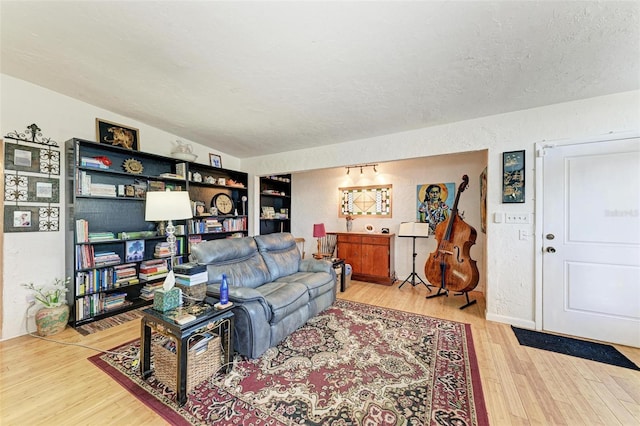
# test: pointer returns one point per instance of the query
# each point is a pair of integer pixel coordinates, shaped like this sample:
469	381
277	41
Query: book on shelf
171	175
82	231
101	236
190	280
105	258
103	190
181	170
156	185
162	250
189	268
193	240
153	275
93	163
148	291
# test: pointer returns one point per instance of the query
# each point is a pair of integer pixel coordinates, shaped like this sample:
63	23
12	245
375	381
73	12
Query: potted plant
53	316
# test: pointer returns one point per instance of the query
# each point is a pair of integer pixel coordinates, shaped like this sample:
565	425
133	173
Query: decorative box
166	300
196	291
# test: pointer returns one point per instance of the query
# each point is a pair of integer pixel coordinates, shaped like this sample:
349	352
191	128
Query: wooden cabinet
370	255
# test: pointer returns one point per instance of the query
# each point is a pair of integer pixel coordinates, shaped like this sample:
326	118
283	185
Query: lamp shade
413	229
167	205
318	230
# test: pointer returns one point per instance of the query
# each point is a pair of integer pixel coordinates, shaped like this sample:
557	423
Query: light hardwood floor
53	384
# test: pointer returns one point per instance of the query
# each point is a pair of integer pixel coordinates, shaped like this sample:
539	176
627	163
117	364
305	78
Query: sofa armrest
315	265
240	295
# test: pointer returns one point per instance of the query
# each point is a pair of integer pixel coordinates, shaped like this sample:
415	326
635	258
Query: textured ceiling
255	78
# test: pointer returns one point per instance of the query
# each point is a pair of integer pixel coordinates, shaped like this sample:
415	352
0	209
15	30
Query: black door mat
580	348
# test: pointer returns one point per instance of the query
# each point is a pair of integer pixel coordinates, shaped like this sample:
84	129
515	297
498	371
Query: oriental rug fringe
352	364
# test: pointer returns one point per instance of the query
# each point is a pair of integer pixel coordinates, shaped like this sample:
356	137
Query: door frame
540	148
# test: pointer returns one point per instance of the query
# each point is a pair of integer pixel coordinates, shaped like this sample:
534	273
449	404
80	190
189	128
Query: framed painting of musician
434	203
513	177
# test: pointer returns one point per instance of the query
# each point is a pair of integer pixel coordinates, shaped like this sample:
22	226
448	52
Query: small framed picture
215	160
116	134
513	177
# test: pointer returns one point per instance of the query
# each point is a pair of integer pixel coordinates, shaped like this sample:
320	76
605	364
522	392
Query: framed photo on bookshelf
215	160
134	250
116	134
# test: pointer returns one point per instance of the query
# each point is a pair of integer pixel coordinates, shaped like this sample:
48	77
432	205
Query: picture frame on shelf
513	174
114	134
215	160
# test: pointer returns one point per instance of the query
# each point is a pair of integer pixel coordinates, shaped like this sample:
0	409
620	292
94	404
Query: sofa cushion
316	282
284	298
236	257
280	253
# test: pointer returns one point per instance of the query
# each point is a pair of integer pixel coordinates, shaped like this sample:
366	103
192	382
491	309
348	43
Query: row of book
88	282
153	269
212	225
87	257
148	291
94	304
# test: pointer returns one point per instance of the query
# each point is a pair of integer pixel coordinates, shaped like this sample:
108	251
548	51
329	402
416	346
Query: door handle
551	250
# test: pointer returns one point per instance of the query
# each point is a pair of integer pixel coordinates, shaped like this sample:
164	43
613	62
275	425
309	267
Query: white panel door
591	235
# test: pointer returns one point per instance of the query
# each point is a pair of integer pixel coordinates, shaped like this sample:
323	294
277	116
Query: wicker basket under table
200	366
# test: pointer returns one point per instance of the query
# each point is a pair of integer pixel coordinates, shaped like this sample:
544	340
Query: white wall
315	199
39	256
509	261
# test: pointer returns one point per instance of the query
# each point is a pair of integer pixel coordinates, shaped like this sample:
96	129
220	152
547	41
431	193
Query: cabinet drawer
375	240
349	238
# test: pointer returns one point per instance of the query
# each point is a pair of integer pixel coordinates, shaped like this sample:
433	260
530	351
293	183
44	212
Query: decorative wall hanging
513	177
116	134
31	182
483	200
434	201
371	201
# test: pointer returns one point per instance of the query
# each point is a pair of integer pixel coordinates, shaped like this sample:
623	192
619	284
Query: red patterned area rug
352	364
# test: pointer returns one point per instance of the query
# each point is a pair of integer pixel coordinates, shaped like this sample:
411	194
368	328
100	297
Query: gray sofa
274	291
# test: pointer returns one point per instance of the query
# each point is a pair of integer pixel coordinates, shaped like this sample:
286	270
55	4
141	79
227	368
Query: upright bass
450	266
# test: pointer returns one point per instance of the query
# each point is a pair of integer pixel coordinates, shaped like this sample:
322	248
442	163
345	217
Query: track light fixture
362	167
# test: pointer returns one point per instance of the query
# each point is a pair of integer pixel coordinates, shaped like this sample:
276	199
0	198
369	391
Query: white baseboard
518	322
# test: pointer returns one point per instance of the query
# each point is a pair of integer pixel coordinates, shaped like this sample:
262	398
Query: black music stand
414	230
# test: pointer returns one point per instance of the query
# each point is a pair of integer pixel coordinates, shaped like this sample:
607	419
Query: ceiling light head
361	172
374	169
348	170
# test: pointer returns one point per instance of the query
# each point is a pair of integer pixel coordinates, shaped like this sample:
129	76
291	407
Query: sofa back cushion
280	253
237	257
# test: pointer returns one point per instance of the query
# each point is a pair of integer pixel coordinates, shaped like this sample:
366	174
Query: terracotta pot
50	321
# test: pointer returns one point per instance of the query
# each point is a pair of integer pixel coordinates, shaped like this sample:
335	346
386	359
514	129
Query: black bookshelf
115	208
275	204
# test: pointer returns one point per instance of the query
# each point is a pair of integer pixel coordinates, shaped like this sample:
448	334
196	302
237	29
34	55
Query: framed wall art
434	202
215	160
116	134
31	182
513	177
371	201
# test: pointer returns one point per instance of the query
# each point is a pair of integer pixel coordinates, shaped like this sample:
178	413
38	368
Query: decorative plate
369	228
133	166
